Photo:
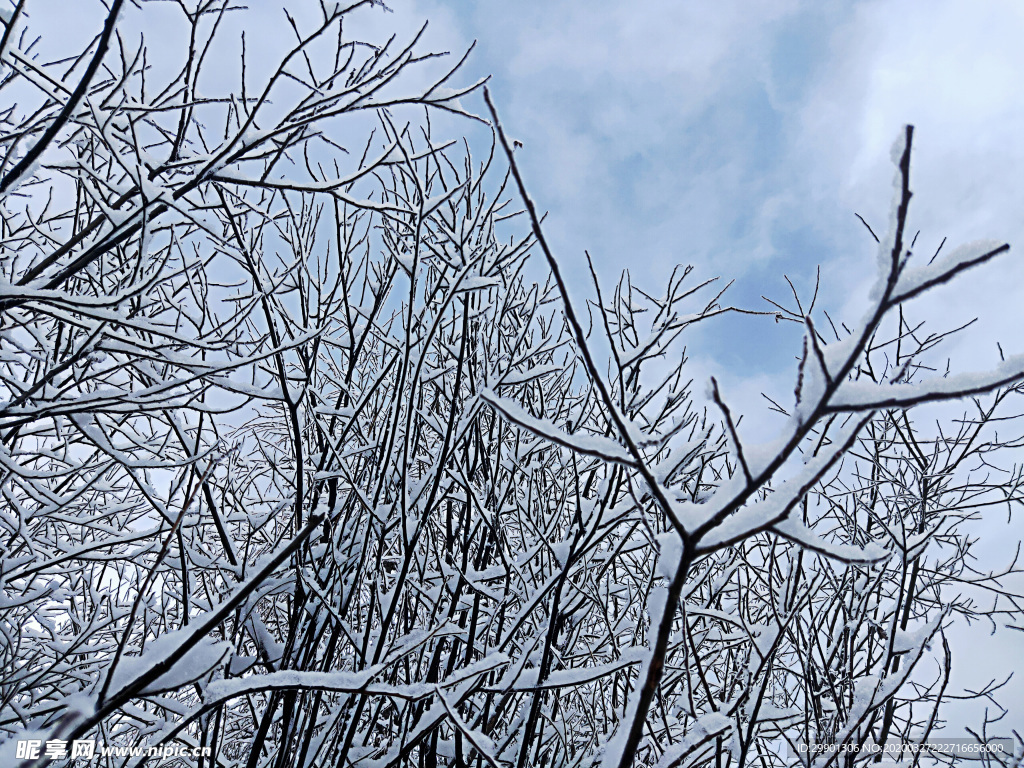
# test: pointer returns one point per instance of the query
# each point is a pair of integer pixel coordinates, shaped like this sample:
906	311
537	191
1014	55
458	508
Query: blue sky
742	137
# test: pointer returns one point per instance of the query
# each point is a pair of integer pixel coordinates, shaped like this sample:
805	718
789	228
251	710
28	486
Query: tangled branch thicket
299	467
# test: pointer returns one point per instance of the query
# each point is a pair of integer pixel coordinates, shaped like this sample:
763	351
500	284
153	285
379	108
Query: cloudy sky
742	137
739	137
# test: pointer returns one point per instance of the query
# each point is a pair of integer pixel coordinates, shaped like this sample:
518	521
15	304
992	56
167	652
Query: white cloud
950	69
743	137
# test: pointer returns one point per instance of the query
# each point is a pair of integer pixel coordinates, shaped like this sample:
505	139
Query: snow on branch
588	445
914	281
863	396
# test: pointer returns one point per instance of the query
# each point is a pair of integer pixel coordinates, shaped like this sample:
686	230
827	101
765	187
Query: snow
797	532
272	650
561	551
478	282
870	689
864	395
511	377
915	280
429	206
708	726
670	548
590	445
567	678
26	173
904	641
773	511
765	640
888	241
898	147
339	682
203	658
448	95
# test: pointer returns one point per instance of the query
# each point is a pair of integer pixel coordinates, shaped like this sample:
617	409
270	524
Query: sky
742	138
